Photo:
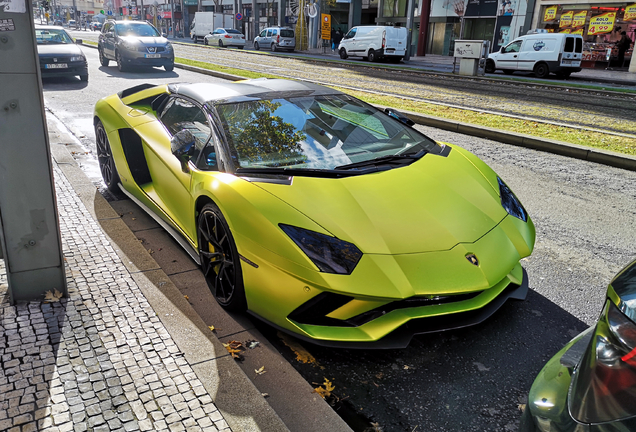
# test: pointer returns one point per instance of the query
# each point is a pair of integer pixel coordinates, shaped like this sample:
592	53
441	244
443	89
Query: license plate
56	66
153	55
575	63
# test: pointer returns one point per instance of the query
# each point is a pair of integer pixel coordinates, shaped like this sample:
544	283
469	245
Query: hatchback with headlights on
59	54
134	43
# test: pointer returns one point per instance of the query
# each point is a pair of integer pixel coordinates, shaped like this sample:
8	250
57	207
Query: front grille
152	50
50	60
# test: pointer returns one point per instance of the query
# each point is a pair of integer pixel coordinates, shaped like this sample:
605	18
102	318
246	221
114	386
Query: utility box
470	52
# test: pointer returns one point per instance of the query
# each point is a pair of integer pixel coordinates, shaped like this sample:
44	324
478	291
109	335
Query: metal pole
255	17
29	225
409	28
174	29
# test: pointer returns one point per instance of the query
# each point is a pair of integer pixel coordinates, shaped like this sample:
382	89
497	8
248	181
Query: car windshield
315	132
127	29
52	36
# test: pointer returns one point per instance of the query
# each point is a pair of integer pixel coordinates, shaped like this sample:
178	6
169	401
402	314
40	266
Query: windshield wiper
308	172
398	159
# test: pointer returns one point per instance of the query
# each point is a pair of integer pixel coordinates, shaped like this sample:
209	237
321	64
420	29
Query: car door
171	182
509	56
349	41
268	39
107	38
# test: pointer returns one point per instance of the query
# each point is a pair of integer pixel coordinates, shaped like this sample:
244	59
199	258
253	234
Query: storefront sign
550	13
566	19
630	12
579	19
603	23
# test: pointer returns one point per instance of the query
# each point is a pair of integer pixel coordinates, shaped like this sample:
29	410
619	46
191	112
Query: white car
225	37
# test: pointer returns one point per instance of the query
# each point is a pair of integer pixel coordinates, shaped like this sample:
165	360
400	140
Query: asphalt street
464	380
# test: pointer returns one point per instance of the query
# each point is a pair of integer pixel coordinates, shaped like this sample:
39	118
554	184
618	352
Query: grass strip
586	138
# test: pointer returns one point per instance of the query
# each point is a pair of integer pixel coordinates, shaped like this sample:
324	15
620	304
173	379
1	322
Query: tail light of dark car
603	387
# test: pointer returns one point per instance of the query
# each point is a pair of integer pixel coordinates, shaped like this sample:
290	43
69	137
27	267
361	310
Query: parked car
134	43
276	38
72	24
317	212
541	53
374	43
96	25
225	37
590	385
59	54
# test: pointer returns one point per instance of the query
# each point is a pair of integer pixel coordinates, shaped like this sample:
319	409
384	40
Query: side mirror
79	41
182	146
399	116
501	49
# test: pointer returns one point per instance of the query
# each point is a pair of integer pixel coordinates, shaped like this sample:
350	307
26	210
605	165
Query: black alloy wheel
105	158
220	259
343	53
490	66
103	60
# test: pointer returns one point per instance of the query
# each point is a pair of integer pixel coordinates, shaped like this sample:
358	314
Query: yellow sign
566	19
326	26
565	31
603	23
550	13
579	31
630	12
579	19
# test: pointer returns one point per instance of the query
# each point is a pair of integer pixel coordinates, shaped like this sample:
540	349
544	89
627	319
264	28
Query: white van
374	43
541	53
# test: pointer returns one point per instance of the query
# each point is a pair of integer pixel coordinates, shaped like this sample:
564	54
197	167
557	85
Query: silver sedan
225	37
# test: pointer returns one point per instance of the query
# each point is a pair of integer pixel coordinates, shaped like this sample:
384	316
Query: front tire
371	56
541	70
105	158
84	78
120	62
490	66
169	67
256	46
220	259
205	41
343	53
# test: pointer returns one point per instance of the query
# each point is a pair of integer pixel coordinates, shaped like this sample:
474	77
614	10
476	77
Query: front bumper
73	69
134	58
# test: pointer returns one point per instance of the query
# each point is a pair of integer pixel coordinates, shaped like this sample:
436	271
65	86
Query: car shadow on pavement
475	378
63	83
138	72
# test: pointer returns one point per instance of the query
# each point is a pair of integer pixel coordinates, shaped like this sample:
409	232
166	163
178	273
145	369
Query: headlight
331	255
78	58
510	202
168	47
129	45
604	385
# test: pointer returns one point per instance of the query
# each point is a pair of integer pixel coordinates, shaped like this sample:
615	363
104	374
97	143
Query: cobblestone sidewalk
100	360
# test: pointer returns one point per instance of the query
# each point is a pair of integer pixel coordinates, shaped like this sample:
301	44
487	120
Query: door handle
515	56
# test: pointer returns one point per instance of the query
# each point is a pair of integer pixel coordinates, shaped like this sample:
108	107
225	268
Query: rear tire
490	66
343	53
273	47
220	44
256	46
105	158
541	70
371	56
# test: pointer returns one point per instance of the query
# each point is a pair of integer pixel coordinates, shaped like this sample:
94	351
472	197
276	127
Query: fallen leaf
380	375
234	348
52	297
265	395
521	407
302	355
134	218
260	371
326	391
212	328
186	297
252	344
150	251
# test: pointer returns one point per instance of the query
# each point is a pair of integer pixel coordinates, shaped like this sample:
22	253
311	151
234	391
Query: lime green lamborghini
316	212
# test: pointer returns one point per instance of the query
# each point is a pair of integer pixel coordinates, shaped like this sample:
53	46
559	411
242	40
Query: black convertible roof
256	89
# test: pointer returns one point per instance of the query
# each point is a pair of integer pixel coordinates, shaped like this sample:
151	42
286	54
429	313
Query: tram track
586	109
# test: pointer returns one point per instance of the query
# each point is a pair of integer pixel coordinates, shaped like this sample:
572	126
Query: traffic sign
239	16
